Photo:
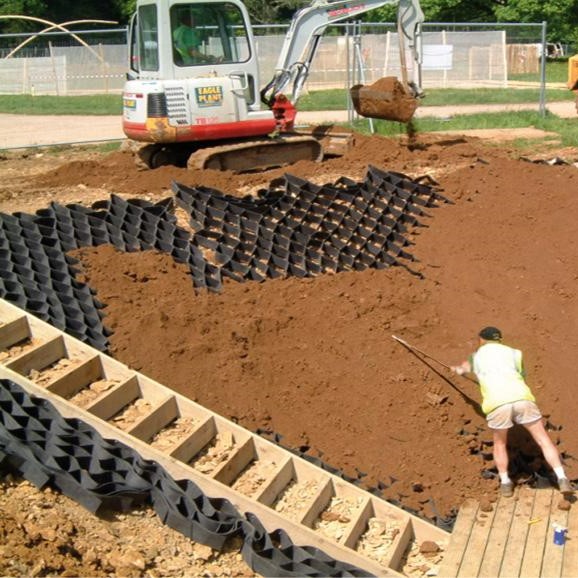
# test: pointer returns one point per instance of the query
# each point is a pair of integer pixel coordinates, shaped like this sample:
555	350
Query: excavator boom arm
308	26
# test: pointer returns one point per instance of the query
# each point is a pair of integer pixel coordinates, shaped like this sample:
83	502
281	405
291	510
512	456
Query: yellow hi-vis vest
501	376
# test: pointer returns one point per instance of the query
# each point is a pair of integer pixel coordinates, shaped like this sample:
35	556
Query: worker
187	41
507	399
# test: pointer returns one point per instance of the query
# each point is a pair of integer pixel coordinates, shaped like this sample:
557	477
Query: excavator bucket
386	99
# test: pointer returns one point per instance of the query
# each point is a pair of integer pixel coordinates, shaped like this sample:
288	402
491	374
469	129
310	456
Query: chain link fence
454	56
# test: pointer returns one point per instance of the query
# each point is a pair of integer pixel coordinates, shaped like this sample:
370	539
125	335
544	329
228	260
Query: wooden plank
570	560
150	425
319	503
39	358
69	384
10	312
358	524
554	553
113	370
14	332
275	485
519	527
150	390
115	399
537	533
189	447
228	471
477	543
459	539
498	538
401	544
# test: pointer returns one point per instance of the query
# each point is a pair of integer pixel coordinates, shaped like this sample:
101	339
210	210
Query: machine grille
176	104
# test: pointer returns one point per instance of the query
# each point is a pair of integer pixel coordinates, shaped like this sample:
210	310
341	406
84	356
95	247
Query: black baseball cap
490	334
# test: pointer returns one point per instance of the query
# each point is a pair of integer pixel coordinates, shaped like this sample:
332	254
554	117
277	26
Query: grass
336	99
93	105
556	71
567	129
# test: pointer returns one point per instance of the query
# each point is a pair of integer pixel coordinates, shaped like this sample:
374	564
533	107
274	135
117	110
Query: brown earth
314	359
386	99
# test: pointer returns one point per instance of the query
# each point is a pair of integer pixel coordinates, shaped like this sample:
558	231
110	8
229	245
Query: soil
386	99
314	360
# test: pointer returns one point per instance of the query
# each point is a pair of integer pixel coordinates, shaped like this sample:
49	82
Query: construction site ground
313	360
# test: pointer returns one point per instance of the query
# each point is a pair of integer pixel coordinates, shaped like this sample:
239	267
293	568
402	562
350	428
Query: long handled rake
421	354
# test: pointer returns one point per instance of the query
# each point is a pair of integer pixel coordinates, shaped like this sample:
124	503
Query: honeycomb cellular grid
294	228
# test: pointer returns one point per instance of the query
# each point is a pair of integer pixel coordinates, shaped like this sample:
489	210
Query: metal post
359	62
54	69
348	72
542	107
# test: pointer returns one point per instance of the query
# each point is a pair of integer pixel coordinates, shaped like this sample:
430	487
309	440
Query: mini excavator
206	108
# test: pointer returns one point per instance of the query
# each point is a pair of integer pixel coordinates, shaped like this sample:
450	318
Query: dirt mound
314	359
117	172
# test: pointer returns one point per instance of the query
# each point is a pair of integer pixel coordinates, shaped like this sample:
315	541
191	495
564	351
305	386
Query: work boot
507	489
565	486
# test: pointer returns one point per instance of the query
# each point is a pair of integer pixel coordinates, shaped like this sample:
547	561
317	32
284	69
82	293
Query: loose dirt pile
386	99
313	359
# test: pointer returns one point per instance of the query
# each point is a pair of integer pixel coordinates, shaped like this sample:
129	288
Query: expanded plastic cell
13	286
23	271
18	299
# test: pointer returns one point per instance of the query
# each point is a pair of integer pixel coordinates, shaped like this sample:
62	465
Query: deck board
477	543
498	537
516	539
537	534
459	539
519	527
553	553
570	558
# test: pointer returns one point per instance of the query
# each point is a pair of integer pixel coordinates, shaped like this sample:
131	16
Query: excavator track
257	155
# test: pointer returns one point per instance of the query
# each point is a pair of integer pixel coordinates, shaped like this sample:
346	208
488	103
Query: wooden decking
516	538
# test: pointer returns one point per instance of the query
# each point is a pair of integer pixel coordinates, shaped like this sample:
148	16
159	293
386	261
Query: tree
19	7
561	16
63	10
273	11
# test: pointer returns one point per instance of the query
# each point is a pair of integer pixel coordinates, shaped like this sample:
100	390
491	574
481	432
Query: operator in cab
187	42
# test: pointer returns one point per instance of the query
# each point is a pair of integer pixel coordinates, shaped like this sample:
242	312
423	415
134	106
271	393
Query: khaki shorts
520	412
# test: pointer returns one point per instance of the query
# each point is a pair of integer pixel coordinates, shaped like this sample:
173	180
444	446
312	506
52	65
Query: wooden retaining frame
52	365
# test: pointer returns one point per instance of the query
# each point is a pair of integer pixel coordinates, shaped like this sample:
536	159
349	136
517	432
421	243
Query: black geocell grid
303	230
294	229
46	448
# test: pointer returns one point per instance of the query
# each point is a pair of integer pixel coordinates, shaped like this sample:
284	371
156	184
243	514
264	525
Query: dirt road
21	131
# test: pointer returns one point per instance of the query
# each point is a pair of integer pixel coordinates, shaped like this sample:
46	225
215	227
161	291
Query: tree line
561	15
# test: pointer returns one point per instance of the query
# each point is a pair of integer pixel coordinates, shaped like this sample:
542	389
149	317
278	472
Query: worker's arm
463	368
201	58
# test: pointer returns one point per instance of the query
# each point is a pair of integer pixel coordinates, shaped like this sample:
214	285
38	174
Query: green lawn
567	129
337	100
99	104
